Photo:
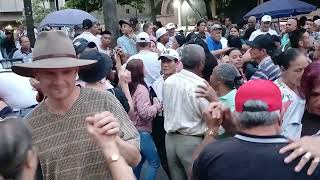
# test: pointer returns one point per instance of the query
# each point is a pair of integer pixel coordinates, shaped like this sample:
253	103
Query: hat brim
168	57
252	44
26	69
121	22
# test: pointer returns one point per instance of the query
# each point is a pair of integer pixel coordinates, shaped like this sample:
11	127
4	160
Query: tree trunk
29	21
208	8
111	18
153	11
194	9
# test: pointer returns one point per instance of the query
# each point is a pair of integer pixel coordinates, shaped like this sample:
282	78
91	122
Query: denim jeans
149	153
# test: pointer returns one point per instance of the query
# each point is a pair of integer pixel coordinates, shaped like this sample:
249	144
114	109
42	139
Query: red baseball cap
263	90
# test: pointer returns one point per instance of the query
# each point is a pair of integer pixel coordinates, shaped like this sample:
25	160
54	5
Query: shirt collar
228	94
190	74
264	59
261	139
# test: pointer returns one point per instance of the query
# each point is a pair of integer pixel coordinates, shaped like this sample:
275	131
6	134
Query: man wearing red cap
253	152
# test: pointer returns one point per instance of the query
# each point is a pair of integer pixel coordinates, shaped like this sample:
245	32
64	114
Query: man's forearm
207	140
218	52
129	152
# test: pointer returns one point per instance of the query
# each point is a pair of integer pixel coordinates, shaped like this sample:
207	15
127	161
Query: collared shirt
267	70
182	109
151	64
213	45
127	44
161	47
25	56
248	157
89	37
259	32
294	107
229	99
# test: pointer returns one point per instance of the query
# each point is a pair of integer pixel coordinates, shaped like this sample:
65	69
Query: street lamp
177	5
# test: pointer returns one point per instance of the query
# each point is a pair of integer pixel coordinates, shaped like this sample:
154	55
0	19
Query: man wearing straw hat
58	122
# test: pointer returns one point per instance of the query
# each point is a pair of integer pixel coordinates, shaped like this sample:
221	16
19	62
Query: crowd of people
242	97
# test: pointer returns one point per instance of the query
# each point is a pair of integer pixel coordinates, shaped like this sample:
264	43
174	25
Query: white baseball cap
170	26
160	32
170	54
266	18
143	37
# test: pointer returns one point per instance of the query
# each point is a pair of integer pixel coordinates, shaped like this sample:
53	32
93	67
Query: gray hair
255	113
192	55
228	74
15	141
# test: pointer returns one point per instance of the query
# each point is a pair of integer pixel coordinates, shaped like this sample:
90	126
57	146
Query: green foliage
39	12
93	5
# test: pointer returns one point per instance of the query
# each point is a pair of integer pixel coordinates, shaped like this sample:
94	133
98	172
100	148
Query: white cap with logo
170	54
266	18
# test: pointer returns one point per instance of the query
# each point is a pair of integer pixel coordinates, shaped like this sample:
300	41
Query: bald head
291	25
252	21
193	55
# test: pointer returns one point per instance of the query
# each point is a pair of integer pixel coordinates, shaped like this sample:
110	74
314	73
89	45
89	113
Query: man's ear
300	43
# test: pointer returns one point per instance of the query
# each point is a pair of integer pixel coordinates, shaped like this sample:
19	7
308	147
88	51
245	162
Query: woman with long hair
292	64
142	115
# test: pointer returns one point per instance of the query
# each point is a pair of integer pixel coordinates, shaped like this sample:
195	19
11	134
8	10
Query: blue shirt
128	45
213	44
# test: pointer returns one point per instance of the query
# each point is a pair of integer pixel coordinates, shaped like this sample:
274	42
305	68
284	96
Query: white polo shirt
151	63
89	37
259	32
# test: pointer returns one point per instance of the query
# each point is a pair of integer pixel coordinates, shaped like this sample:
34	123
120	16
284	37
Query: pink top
144	112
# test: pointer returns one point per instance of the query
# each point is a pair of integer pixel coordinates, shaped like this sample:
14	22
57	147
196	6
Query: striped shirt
64	147
267	70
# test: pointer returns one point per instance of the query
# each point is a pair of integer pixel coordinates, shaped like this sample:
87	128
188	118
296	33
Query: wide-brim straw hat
53	49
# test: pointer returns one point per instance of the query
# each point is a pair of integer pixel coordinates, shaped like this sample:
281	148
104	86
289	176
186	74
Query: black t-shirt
247	157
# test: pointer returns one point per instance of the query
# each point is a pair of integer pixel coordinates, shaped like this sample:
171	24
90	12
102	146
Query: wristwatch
113	158
211	132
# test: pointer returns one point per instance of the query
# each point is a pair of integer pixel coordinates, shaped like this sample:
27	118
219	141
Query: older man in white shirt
183	112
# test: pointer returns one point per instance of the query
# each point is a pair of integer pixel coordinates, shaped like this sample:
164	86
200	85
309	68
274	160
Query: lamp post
177	5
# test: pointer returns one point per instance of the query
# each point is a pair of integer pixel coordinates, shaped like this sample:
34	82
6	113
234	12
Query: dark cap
262	41
87	24
97	71
81	44
133	21
121	22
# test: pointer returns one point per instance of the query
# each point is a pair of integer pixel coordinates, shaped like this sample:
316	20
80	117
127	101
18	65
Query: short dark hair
105	32
143	44
296	36
316	17
200	21
158	23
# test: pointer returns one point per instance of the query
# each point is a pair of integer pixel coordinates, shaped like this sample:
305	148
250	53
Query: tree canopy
93	5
